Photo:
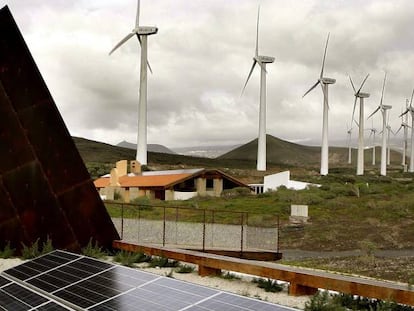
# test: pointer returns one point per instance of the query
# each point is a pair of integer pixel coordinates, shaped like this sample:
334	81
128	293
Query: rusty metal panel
45	189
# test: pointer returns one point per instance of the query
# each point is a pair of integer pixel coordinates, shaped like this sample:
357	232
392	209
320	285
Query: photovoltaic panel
15	297
91	284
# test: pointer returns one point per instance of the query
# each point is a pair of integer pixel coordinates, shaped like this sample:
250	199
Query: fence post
241	234
163	230
122	221
278	234
204	229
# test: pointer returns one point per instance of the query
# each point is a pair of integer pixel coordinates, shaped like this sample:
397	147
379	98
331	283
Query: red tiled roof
144	181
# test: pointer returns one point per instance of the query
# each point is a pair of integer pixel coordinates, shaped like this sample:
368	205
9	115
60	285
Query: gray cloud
201	57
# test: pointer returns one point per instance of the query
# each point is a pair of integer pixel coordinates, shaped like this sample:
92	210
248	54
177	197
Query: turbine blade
375	111
352	83
356	123
383	87
353	111
127	37
149	67
405	112
312	87
248	77
257	33
324	94
139	39
324	56
137	17
362	84
398	130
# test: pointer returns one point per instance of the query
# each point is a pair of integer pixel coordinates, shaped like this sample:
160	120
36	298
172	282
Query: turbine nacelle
264	59
145	30
327	80
385	107
362	95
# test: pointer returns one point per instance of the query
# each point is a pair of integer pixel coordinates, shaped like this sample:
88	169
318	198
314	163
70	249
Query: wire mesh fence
195	228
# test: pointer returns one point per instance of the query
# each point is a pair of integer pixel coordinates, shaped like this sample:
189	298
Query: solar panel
16	297
86	283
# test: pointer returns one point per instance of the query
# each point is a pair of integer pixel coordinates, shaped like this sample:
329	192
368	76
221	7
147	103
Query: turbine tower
411	110
142	33
372	134
389	131
361	96
262	61
404	125
324	82
349	132
383	109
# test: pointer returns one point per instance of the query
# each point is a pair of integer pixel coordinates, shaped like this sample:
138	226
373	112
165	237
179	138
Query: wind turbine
389	131
349	132
361	96
142	33
383	109
411	110
373	132
262	61
324	82
404	125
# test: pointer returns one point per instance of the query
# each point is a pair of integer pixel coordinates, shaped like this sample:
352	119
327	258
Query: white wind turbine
324	82
361	96
349	132
383	109
404	125
262	61
389	131
142	33
373	132
411	110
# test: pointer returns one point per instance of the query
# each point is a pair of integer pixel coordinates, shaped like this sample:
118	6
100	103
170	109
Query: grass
7	251
185	269
163	262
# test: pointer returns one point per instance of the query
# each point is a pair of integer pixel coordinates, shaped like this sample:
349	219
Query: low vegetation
323	301
36	249
268	285
93	250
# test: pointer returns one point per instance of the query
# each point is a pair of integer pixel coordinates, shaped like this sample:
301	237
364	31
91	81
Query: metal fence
195	228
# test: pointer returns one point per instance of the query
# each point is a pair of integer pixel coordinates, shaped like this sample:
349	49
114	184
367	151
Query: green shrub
230	276
129	258
268	285
7	252
93	250
185	269
47	246
32	251
322	301
163	262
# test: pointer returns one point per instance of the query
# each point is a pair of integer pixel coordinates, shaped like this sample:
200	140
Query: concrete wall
272	182
184	195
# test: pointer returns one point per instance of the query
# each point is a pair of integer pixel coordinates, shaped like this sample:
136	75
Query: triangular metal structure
45	189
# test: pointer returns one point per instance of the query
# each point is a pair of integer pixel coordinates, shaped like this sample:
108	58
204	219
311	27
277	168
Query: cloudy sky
201	57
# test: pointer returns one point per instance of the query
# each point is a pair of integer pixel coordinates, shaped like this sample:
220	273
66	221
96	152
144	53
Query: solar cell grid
96	285
25	295
4	281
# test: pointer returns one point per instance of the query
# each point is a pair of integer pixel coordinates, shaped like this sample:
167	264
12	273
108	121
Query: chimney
121	166
136	167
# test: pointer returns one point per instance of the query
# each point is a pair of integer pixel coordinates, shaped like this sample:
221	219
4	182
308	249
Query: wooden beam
300	279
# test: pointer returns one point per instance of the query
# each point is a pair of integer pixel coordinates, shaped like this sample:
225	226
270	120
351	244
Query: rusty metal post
163	230
204	230
241	234
176	225
212	228
278	234
122	221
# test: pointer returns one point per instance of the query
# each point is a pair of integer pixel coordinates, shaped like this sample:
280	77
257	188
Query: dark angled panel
52	306
45	189
8	302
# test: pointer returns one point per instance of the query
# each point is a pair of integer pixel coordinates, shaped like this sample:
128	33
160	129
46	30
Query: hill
151	147
283	152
